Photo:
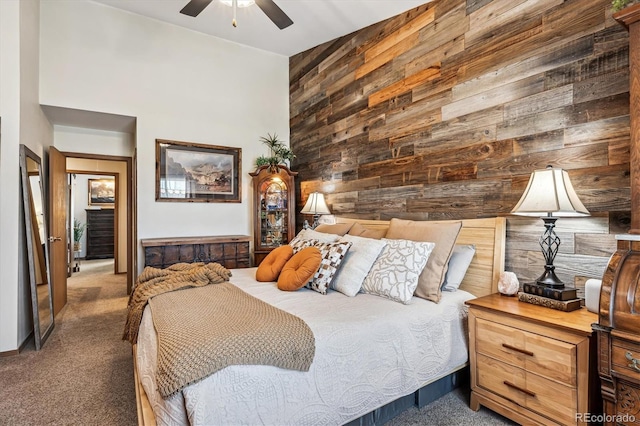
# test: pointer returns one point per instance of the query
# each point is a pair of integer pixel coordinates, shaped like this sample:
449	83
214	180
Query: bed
373	356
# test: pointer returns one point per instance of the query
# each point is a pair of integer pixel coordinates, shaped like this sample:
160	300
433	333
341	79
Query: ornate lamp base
549	243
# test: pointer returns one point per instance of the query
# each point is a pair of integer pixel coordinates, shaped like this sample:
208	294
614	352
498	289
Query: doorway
93	218
94	137
121	210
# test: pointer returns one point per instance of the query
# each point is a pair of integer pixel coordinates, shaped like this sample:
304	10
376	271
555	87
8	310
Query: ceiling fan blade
194	7
274	13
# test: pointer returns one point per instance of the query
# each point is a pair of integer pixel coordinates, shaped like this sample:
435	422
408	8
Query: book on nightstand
561	305
550	293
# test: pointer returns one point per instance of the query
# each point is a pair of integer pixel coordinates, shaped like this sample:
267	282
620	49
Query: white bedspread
369	351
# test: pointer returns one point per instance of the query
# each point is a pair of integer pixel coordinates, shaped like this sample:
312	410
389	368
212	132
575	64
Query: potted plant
280	153
618	5
78	230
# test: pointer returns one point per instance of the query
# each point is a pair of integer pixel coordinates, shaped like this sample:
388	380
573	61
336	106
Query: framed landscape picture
102	192
193	172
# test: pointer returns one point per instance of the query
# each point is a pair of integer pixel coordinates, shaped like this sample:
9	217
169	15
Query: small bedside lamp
316	206
549	195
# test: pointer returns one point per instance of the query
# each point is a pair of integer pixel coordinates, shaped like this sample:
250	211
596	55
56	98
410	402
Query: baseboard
20	348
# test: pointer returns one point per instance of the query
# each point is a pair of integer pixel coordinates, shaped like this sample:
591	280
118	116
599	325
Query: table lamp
549	195
316	206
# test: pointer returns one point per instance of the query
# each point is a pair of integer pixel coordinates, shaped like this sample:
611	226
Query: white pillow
332	256
395	273
356	264
323	237
459	262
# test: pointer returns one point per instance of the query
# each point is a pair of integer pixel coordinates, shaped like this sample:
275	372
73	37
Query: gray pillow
458	264
356	264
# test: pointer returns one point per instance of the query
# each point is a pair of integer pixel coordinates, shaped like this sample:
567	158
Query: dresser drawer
546	397
547	357
623	354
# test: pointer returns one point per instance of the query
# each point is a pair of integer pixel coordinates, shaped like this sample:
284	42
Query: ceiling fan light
241	3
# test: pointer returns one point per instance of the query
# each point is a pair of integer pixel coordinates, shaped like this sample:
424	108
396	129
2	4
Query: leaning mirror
37	249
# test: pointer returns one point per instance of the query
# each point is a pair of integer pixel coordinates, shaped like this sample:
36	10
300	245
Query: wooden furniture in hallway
100	237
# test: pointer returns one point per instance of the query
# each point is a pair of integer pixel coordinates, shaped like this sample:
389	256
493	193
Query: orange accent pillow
270	267
300	269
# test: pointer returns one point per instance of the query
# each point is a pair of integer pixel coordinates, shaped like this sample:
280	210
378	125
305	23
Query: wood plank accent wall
444	111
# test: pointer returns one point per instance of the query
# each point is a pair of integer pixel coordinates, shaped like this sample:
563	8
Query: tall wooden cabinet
274	209
618	326
618	331
100	238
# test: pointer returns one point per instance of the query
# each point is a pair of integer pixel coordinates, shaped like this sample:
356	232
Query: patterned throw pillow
332	256
298	243
395	273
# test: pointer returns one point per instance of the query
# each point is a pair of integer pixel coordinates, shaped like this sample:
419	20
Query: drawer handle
518	388
635	363
513	348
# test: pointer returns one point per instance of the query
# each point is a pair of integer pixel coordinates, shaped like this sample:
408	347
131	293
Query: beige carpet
83	375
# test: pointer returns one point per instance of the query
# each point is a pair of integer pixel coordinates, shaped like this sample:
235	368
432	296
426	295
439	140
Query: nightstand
532	364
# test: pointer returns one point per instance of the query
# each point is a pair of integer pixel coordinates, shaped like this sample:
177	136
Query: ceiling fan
273	12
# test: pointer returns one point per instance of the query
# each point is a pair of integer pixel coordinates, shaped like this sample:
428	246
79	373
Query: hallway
84	372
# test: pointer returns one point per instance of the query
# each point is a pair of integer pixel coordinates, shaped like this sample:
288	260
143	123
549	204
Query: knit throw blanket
154	281
203	330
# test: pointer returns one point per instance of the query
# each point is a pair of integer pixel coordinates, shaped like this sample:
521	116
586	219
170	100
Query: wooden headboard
488	235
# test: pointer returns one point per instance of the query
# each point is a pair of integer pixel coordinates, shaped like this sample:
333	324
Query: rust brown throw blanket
203	330
154	281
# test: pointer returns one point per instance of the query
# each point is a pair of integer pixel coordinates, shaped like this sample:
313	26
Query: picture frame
102	192
193	172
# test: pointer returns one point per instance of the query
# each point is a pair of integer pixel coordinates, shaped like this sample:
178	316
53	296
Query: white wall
93	141
21	121
179	84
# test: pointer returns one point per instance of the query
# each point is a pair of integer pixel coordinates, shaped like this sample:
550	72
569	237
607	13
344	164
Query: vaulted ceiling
315	21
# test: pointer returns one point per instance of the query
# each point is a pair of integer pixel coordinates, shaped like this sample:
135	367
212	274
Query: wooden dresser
532	364
100	239
618	331
231	251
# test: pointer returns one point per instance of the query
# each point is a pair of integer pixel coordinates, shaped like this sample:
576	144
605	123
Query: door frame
116	214
128	181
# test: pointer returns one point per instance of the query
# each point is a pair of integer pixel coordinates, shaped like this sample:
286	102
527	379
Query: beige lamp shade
550	192
315	205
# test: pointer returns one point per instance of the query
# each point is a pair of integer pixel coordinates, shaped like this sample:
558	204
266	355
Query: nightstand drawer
492	375
546	397
625	358
551	358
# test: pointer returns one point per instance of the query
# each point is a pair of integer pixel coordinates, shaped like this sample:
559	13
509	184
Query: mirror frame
40	336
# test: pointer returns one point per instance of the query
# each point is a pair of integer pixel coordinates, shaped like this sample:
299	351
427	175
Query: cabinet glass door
273	213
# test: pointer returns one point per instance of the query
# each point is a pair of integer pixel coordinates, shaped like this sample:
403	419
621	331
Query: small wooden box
231	251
